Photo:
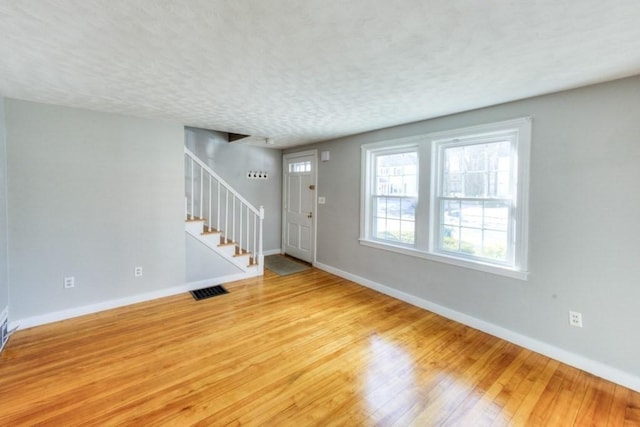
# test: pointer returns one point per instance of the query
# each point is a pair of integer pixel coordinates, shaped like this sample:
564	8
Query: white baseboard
594	367
56	316
219	280
272	252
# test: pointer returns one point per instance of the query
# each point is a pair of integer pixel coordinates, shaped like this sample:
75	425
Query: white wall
232	161
584	226
4	279
91	195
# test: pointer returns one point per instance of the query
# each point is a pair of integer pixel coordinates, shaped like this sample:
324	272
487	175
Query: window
300	167
478	196
392	195
458	197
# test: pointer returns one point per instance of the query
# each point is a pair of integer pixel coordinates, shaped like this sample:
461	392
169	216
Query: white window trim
422	248
522	127
368	152
475	265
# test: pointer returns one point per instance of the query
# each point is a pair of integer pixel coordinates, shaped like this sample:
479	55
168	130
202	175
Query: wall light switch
321	200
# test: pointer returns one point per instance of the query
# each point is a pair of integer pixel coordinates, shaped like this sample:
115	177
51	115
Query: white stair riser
227	250
242	262
214	238
194	227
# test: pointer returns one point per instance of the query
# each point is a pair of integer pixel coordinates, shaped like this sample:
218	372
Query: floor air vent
212	291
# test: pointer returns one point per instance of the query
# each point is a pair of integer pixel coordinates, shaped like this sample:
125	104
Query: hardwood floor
305	349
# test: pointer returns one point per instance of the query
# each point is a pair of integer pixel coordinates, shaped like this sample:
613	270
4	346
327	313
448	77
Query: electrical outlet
69	282
137	272
575	319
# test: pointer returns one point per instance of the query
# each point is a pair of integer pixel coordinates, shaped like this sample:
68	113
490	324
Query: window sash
500	254
482	223
375	176
487	172
397	224
400	227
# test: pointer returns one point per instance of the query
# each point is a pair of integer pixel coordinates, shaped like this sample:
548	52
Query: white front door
299	195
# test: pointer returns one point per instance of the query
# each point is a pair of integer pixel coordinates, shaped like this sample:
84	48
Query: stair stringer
212	241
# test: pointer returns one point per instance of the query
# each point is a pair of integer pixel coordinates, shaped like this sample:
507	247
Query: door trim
314	205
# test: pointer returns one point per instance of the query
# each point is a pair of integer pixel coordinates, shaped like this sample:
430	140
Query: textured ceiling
302	71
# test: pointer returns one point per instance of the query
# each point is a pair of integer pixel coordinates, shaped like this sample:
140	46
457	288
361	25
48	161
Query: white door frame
314	205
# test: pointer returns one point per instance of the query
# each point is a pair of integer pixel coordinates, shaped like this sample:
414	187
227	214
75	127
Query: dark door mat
212	291
282	265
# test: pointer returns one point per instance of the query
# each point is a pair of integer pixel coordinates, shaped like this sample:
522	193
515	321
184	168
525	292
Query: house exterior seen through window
457	196
395	196
475	200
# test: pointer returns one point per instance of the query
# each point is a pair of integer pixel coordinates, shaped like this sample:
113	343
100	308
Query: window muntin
394	195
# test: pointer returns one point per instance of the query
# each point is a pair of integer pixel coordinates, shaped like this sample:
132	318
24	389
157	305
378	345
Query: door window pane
299	167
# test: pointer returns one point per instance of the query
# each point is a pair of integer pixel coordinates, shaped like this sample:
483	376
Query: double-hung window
479	194
392	194
472	185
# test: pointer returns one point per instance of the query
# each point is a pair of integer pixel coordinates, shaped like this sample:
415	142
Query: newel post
260	254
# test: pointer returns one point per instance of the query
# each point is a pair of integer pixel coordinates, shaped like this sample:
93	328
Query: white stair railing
209	197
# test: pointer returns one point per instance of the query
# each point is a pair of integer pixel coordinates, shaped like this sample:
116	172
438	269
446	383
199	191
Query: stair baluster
234	241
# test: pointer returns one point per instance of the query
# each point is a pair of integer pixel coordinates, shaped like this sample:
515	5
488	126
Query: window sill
487	268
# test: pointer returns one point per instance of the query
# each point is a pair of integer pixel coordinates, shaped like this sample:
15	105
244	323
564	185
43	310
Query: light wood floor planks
305	349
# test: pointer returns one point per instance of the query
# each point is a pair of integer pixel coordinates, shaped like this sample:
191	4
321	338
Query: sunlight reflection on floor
397	389
389	374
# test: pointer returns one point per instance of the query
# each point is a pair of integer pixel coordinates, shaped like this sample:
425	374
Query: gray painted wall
232	161
584	229
91	195
4	279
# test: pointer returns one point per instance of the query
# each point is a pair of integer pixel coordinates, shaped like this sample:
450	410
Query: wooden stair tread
245	253
191	218
205	230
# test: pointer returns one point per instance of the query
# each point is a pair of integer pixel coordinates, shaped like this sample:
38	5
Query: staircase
221	219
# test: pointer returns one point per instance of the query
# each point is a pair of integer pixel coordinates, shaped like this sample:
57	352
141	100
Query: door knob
310	215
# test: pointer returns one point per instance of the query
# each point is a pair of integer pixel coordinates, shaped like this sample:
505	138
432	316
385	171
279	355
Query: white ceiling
300	71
